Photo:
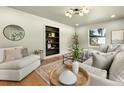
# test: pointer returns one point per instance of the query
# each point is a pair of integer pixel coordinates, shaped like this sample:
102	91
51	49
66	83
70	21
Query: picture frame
117	36
97	36
13	32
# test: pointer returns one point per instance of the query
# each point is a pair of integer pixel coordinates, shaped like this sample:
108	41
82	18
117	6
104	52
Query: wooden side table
83	77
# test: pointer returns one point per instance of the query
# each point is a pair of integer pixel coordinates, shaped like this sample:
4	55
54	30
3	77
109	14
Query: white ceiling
97	13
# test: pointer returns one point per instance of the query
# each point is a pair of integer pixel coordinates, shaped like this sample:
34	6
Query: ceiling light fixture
76	11
113	16
77	24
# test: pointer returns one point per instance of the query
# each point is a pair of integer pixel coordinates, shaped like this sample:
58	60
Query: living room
46	34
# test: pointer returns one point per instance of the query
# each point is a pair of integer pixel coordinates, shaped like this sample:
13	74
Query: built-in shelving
52	40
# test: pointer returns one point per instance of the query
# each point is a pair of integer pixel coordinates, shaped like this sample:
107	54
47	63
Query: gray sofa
114	76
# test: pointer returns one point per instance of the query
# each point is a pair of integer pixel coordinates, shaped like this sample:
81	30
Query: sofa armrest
94	70
98	81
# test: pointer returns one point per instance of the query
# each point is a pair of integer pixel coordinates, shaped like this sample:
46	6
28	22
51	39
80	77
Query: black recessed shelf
54	43
52	37
97	36
52	40
52	31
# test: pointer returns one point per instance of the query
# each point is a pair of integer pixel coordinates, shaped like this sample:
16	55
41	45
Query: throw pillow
103	48
12	54
1	55
113	48
89	52
116	71
9	54
24	52
102	60
89	61
18	53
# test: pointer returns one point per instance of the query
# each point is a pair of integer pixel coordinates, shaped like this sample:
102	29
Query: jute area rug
45	70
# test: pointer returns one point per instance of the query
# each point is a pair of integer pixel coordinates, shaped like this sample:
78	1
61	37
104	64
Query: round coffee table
82	77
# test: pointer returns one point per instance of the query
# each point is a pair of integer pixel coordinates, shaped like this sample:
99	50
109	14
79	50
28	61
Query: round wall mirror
14	32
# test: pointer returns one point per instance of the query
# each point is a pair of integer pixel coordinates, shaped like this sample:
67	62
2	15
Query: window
97	36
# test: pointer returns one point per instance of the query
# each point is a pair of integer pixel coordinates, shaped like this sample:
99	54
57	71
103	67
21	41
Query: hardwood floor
32	79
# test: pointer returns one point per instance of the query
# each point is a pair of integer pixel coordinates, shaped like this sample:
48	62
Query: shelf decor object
14	32
52	40
117	37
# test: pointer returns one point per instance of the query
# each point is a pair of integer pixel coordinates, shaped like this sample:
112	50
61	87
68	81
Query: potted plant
75	52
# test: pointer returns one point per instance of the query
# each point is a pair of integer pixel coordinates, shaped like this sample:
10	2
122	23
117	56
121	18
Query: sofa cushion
93	70
103	60
20	63
116	71
1	55
12	54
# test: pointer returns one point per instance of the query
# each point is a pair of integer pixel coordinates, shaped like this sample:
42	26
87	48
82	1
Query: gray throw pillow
24	52
103	60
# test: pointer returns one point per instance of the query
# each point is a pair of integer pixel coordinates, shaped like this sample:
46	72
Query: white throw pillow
1	55
89	61
116	71
93	70
103	60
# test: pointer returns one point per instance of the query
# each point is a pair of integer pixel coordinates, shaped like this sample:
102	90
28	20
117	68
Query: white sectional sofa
16	70
115	76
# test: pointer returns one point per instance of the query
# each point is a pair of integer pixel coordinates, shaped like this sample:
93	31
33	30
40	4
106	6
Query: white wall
109	26
34	30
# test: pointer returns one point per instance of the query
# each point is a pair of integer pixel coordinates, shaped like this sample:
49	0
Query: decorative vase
67	77
75	67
